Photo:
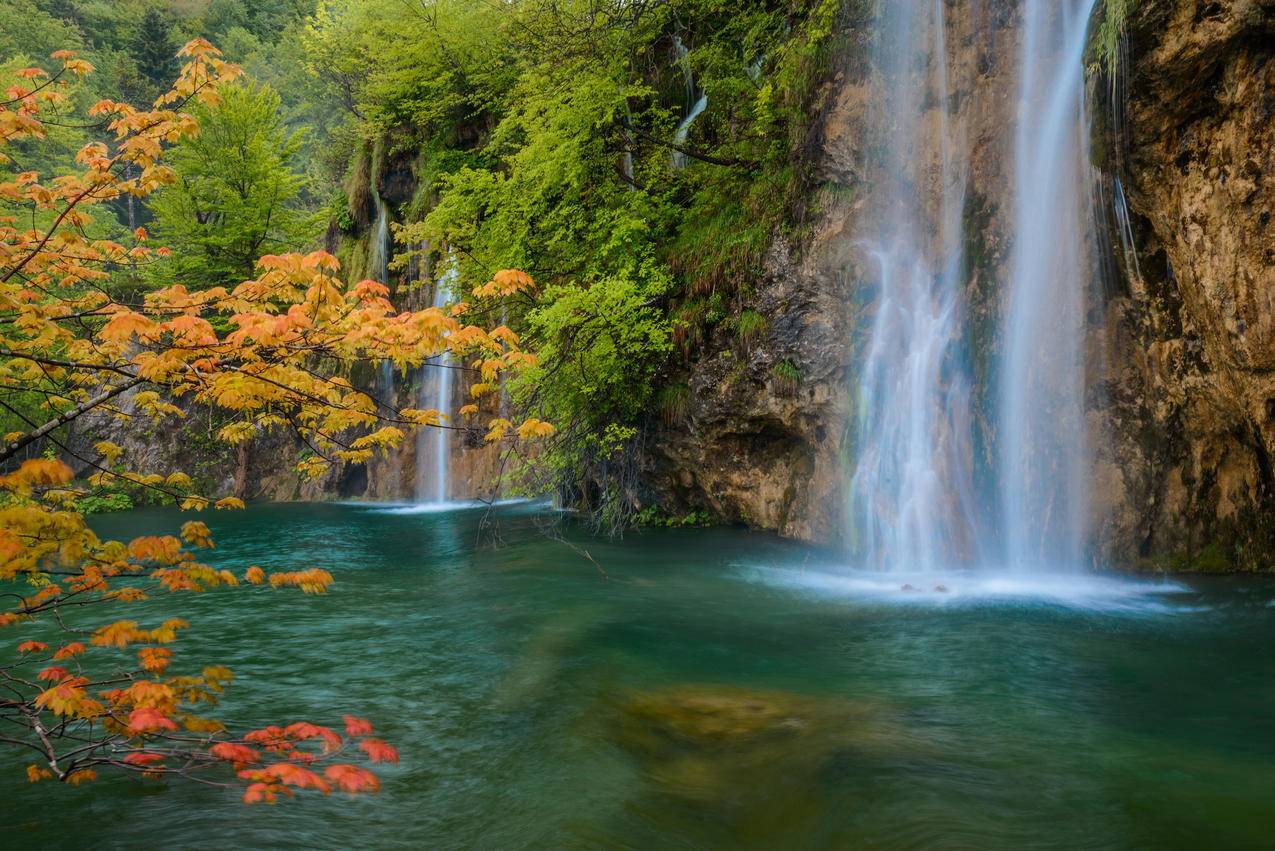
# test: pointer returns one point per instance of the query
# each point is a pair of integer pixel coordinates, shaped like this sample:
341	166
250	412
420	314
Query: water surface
715	688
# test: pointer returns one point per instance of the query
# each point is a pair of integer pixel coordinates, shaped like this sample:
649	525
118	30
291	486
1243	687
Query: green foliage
787	377
539	135
653	516
155	48
675	403
104	502
749	327
237	193
1109	35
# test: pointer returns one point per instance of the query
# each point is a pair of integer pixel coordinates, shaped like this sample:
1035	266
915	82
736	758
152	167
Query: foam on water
435	507
1089	591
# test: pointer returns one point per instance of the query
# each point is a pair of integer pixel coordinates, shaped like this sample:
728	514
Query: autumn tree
89	689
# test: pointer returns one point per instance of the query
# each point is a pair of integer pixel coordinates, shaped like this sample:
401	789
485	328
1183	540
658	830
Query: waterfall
379	249
918	489
1043	443
433	445
378	264
911	496
696	102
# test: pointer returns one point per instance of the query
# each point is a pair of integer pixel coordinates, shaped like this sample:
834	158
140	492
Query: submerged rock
708	717
730	748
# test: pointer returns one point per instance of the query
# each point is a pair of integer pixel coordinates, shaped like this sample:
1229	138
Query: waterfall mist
912	501
956	466
433	445
1043	444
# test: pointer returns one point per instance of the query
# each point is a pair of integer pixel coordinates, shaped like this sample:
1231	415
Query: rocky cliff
1182	341
1189	373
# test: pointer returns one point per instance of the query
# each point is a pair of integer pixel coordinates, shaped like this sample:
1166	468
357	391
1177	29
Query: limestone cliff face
1190	337
754	449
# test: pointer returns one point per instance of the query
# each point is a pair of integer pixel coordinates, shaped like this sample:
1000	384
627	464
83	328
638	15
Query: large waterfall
1042	418
911	493
939	482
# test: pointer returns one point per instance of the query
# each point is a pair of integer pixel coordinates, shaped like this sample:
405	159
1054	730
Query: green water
719	689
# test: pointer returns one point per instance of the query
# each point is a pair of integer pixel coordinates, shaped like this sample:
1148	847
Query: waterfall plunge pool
719	689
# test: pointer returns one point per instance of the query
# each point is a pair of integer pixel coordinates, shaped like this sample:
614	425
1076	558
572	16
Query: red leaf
352	779
357	726
303	730
378	751
238	754
75	648
148	720
143	758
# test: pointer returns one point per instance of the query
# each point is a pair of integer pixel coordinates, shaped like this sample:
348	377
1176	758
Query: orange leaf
379	751
357	726
154	659
75	648
148	720
241	755
32	647
352	779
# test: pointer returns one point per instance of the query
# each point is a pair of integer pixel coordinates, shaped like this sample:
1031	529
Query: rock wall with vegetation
1189	367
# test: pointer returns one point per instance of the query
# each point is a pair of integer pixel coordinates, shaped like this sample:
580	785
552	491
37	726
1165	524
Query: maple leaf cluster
275	350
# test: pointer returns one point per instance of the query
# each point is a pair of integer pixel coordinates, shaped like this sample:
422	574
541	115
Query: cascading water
433	445
378	263
696	103
912	500
1043	443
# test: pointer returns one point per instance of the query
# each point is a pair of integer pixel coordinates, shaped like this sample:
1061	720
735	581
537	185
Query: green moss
1108	35
787	377
654	516
749	327
675	403
358	185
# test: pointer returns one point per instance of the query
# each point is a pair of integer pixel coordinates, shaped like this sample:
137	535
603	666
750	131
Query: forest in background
546	136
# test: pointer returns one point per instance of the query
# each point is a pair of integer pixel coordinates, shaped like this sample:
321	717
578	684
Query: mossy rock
706	717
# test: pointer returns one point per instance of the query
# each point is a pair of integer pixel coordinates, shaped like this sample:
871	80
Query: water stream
378	264
434	445
696	102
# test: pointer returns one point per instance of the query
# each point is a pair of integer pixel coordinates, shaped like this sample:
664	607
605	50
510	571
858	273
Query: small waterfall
1043	431
380	247
378	264
911	495
696	103
434	445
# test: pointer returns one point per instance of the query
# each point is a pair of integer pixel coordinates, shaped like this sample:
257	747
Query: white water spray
915	507
911	495
378	264
696	103
434	445
1043	441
